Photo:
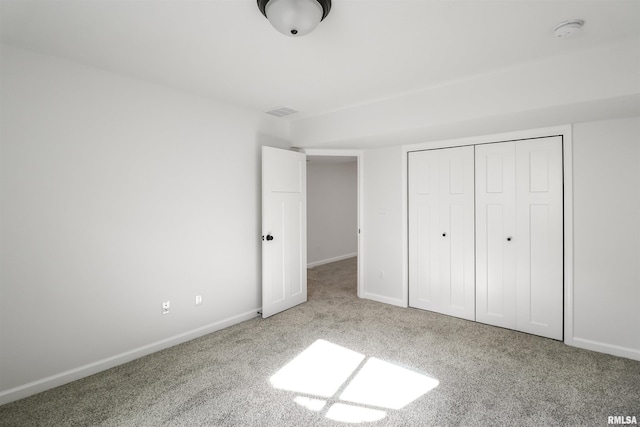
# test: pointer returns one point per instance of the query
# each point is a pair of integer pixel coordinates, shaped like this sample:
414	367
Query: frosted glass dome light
294	18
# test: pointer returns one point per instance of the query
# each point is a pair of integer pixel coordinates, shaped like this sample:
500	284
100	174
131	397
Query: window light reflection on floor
338	380
314	405
354	414
386	385
320	370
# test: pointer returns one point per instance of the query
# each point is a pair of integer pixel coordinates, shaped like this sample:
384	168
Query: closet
486	233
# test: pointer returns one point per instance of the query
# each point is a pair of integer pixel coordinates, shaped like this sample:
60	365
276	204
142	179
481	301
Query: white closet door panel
539	237
456	297
445	259
441	231
457	173
495	227
424	266
427	263
457	262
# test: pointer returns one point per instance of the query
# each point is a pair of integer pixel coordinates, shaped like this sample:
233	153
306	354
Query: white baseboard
62	378
383	299
615	350
329	260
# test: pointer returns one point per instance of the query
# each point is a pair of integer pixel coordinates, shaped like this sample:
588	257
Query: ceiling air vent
282	111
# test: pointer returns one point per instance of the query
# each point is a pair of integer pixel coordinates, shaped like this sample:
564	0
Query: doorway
333	208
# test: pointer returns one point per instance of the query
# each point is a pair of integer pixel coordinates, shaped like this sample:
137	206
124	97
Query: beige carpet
338	360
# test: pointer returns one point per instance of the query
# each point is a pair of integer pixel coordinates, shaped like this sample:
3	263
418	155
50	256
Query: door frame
359	155
566	132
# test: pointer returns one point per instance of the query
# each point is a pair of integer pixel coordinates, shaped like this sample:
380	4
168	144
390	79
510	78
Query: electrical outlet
166	307
198	299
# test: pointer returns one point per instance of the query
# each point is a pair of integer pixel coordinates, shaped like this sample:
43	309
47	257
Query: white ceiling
362	52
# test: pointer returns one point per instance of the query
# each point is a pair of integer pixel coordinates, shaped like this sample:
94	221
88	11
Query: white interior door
441	231
539	236
284	230
495	231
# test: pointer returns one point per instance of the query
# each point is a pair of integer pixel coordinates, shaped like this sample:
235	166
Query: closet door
441	231
519	236
539	236
495	231
424	220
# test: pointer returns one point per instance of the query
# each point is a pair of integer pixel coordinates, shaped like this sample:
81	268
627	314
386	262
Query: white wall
332	211
606	171
382	231
117	195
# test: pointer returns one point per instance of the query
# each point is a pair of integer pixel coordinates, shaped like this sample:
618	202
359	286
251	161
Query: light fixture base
568	28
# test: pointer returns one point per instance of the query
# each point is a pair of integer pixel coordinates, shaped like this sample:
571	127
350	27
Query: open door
284	230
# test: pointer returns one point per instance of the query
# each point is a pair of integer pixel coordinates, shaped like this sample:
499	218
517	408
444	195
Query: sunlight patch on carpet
354	414
314	405
320	370
358	389
386	385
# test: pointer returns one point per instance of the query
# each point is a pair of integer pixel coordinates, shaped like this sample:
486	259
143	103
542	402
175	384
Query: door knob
444	234
509	239
269	237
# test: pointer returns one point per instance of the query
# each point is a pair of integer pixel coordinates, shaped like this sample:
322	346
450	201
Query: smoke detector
568	28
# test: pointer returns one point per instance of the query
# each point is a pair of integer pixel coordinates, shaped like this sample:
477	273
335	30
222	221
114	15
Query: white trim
490	139
567	136
62	378
359	155
332	152
361	226
405	226
384	299
330	260
567	147
600	347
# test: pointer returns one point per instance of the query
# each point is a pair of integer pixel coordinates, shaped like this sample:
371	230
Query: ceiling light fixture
294	17
568	28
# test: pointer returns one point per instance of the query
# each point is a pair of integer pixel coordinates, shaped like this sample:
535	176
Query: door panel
457	200
456	174
541	285
495	254
539	261
441	237
495	224
424	268
284	230
457	258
